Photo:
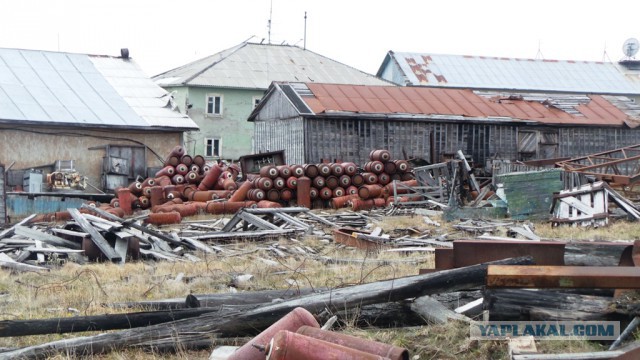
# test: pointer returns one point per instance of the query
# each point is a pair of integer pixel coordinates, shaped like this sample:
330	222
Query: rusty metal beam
471	252
536	276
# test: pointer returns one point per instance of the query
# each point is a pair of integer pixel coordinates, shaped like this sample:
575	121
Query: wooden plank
36	234
39	255
100	241
10	231
7	262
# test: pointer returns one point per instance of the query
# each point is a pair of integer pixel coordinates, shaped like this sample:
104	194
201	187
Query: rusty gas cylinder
311	170
323	169
269	171
303	192
292	321
296	170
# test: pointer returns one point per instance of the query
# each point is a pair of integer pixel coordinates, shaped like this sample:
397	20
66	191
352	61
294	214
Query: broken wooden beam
233	324
96	237
536	276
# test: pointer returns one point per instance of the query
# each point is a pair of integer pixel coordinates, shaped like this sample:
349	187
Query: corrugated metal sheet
465	104
77	89
483	72
255	66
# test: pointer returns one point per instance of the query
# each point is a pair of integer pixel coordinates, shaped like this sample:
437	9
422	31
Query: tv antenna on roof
630	47
269	23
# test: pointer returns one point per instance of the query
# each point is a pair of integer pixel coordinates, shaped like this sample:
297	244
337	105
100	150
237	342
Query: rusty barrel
136	188
351	190
182	169
318	182
336	169
192	177
390	167
144	202
357	180
256	194
269	171
172	161
241	193
172	217
380	155
360	204
284	171
266	204
124	198
384	179
344	180
199	160
296	170
210	178
375	167
186	159
339	191
349	168
402	166
286	194
157	196
177	179
227	207
229	184
353	342
292	321
292	183
370	191
369	178
325	193
323	169
166	171
264	183
177	152
287	345
342	201
148	182
332	182
279	183
311	170
304	192
273	195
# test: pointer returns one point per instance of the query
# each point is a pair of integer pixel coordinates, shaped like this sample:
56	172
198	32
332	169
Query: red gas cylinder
296	170
210	178
318	182
182	169
349	168
241	193
357	180
279	183
324	169
286	194
166	171
186	159
375	167
339	191
353	342
264	183
284	171
292	183
345	181
370	191
269	171
332	182
304	192
369	178
310	170
287	345
402	166
336	169
292	321
380	155
136	188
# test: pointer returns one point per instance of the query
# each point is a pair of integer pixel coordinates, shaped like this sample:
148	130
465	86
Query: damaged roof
485	72
255	66
456	104
56	88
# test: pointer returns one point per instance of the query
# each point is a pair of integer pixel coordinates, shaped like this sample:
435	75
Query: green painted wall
232	128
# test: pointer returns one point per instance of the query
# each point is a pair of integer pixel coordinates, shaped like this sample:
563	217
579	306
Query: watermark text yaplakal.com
545	330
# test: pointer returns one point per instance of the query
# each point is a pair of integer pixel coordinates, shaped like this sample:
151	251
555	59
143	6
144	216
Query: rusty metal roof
255	66
56	88
484	72
459	104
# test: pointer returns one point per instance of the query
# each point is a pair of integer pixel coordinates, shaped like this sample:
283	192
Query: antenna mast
304	46
269	23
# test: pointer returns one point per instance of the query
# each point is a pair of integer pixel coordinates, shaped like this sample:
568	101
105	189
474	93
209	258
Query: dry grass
84	289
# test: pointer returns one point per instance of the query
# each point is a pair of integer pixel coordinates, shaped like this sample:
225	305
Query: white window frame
220	107
255	101
213	147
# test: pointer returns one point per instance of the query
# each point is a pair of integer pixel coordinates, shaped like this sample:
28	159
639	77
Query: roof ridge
231	50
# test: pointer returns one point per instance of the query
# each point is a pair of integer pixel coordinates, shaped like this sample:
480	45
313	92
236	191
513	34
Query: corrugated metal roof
78	89
466	104
255	66
483	72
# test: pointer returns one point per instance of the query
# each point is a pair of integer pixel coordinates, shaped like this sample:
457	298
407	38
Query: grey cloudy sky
162	34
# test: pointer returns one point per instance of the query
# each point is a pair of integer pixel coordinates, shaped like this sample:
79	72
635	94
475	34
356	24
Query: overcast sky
162	34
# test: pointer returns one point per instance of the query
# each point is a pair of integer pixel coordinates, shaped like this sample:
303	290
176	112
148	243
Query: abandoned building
314	122
98	121
219	91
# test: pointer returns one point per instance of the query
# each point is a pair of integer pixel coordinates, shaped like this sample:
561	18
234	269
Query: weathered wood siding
278	126
37	146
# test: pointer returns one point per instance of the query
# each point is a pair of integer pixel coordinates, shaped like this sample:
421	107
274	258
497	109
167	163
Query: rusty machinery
65	177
